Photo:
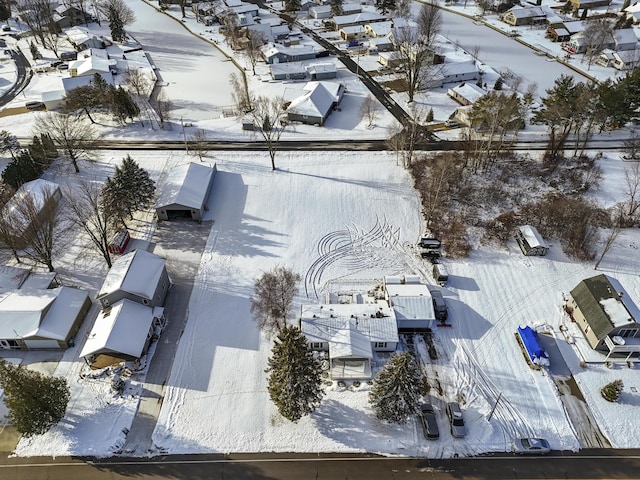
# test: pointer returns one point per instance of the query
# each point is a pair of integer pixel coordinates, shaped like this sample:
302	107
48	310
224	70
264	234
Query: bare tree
395	139
125	14
595	35
8	225
139	83
9	143
613	233
199	143
230	29
84	210
72	134
240	93
40	219
370	110
429	23
38	15
163	106
268	115
632	192
273	297
631	147
403	9
252	48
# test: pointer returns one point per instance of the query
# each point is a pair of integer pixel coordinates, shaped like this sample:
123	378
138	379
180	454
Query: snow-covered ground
216	399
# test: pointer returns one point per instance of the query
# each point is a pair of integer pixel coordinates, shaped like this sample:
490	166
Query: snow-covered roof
625	36
376	321
527	12
69	83
318	100
136	272
272	49
48	313
616	311
532	236
121	329
410	301
287	68
633	8
353	29
361	18
36	192
380	29
186	185
39	280
91	65
349	342
574	27
468	91
316	68
12	277
459	68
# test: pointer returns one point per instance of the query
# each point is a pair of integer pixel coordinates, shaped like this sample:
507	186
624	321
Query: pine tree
122	105
35	53
336	7
429	115
291	5
116	25
35	402
396	388
21	169
385	6
498	84
611	391
130	190
295	376
5	11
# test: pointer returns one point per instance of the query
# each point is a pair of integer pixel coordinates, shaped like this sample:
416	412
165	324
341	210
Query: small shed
185	191
139	276
531	242
288	71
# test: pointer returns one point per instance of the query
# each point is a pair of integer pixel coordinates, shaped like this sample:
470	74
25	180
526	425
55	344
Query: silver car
458	428
531	446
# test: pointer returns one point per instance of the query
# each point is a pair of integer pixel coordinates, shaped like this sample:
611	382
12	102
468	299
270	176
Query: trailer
535	355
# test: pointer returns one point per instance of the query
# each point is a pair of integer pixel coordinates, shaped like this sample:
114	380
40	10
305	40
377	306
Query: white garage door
42	344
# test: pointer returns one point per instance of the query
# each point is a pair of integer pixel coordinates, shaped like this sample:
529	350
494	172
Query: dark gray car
429	422
439	305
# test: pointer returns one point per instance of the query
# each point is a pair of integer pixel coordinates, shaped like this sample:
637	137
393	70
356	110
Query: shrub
611	391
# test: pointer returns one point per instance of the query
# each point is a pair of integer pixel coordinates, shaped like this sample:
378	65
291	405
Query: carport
185	191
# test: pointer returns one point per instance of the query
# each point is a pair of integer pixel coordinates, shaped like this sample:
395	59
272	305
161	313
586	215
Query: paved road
600	465
24	74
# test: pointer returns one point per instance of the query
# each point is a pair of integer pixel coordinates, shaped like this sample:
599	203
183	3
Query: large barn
185	191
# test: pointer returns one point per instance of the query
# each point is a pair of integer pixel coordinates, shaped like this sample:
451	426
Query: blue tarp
530	341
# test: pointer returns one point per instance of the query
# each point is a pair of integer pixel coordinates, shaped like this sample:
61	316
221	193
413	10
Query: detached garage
184	192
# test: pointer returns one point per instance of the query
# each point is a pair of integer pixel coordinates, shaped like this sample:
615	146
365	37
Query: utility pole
184	134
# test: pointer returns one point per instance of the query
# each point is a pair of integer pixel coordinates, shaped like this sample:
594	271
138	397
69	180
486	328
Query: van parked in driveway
439	306
440	274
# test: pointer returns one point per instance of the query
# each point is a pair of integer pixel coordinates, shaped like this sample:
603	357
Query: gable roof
349	342
318	100
625	35
468	91
603	304
121	329
136	272
410	301
532	236
186	185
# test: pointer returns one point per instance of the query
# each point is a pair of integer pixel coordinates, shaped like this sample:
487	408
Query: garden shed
185	191
530	241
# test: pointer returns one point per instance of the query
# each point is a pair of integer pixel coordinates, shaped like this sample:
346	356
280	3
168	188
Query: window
379	344
145	301
316	345
628	332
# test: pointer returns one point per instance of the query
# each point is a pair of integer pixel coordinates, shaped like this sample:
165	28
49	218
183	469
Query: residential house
82	38
411	303
66	16
587	4
36	318
353	33
524	16
185	191
139	276
69	83
320	12
633	12
288	71
624	39
322	71
314	106
351	334
390	59
92	61
379	29
380	44
276	53
362	19
618	40
455	72
466	93
606	315
122	332
558	34
530	241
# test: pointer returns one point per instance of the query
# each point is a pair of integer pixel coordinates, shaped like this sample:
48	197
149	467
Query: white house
350	334
314	106
92	61
466	93
123	331
411	303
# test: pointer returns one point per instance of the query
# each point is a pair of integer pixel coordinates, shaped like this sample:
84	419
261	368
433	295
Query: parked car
429	422
35	106
439	305
458	428
452	123
531	446
440	274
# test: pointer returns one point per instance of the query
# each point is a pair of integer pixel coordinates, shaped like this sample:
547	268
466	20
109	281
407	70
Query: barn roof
186	185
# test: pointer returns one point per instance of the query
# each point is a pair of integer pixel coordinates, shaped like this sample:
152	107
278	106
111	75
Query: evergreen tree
35	53
498	84
295	375
5	11
336	7
385	6
21	169
429	115
611	391
130	190
122	105
116	25
291	5
35	402
396	388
